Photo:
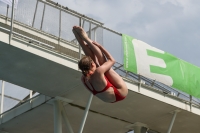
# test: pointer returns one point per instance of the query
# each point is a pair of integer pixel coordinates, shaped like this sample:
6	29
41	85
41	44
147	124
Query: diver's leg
101	58
85	47
112	76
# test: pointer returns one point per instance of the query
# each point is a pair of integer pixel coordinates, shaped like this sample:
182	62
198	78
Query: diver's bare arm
106	53
108	64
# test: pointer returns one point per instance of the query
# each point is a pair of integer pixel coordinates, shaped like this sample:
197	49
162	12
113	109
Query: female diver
98	75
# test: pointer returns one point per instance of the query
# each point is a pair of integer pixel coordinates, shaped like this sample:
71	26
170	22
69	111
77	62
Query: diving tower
40	58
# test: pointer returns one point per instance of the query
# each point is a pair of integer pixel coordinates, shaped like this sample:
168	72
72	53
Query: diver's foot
79	39
81	33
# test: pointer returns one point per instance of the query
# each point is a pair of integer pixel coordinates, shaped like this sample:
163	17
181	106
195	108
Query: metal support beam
95	35
126	73
7	14
2	97
43	17
11	25
64	115
90	32
140	83
35	14
190	103
173	119
118	67
138	127
86	113
77	40
57	117
152	84
60	24
31	94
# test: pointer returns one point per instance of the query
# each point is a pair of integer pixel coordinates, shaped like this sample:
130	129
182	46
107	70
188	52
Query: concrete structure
47	64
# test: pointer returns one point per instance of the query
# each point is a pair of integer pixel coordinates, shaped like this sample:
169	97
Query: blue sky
170	25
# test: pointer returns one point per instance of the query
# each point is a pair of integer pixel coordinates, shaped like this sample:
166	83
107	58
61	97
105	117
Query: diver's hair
84	64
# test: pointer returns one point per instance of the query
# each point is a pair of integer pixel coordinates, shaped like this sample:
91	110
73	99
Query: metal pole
35	13
190	103
77	41
172	122
57	117
31	94
90	32
7	13
2	97
60	24
12	17
86	113
83	23
69	128
95	35
42	17
140	83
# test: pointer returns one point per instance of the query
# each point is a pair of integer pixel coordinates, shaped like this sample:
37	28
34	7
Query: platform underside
53	79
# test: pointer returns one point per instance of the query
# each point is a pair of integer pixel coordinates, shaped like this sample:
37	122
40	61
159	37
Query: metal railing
36	13
14	97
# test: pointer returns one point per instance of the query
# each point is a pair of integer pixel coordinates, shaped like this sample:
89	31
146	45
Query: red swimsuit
118	96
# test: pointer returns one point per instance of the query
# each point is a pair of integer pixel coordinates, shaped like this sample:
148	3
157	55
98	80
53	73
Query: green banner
143	59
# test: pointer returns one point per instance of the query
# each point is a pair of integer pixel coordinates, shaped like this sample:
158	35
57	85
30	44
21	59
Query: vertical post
77	41
140	82
2	97
95	35
126	73
86	113
60	20
172	122
42	16
35	14
57	117
190	103
90	32
152	84
69	128
139	127
12	17
7	13
30	94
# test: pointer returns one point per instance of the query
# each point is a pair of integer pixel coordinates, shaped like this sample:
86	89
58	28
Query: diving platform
47	64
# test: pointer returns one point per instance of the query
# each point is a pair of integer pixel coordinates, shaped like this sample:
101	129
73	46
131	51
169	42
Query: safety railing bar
116	68
60	22
7	13
30	39
13	98
35	14
111	30
79	46
43	16
21	103
159	86
2	96
149	81
70	11
12	19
